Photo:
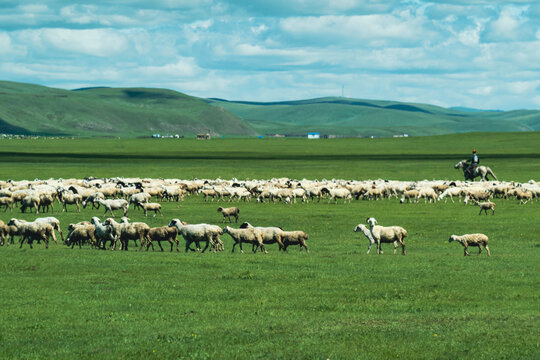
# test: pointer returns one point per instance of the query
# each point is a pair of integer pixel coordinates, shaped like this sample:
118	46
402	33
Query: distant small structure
313	135
203	136
401	135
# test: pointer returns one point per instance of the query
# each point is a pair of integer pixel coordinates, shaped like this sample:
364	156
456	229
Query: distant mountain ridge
130	112
358	117
101	111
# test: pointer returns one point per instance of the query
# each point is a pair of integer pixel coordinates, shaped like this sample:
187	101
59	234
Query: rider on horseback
473	162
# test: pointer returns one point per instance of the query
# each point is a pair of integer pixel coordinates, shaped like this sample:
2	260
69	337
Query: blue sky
477	53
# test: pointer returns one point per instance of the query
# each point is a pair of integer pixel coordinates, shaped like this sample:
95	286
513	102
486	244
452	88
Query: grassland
335	302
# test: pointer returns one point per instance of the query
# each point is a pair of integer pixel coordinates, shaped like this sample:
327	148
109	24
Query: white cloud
95	42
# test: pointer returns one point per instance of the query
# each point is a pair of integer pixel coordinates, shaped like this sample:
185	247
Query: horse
482	171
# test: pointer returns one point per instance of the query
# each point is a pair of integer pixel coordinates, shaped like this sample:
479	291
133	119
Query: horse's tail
492	174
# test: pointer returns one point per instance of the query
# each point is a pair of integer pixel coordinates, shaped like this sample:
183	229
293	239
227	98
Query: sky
478	53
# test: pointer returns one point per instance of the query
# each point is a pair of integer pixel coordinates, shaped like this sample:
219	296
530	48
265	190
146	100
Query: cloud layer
481	54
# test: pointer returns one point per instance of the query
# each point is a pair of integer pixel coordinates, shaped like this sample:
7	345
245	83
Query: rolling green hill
353	117
131	112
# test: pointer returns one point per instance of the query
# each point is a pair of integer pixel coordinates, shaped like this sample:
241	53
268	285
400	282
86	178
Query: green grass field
334	302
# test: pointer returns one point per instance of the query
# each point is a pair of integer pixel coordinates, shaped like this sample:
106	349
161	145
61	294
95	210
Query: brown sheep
228	212
467	240
163	233
294	238
130	231
81	233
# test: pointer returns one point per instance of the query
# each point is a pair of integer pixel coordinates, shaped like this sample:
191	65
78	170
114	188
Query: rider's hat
474	151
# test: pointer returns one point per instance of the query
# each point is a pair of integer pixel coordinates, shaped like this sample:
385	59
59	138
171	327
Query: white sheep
54	222
104	233
485	206
114	204
155	207
467	240
362	228
387	234
197	233
31	231
67	197
250	235
270	235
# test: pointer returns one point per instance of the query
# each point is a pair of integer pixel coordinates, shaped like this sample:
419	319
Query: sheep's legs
487	249
465	253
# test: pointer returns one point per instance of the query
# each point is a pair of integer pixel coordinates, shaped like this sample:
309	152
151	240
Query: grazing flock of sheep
117	194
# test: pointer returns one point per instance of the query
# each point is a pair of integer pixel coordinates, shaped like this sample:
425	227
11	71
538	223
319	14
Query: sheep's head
371	221
245	225
226	229
402	200
124	219
220	209
11	222
94	220
358	228
452	238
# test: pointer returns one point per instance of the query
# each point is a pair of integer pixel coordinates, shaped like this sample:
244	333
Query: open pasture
335	302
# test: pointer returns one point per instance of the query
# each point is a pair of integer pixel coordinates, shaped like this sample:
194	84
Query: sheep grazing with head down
387	234
467	240
228	212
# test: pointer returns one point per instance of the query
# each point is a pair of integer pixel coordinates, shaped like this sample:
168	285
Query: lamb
485	206
81	233
114	204
388	234
197	233
228	212
30	201
131	231
250	235
362	228
467	240
33	231
295	238
155	207
163	233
